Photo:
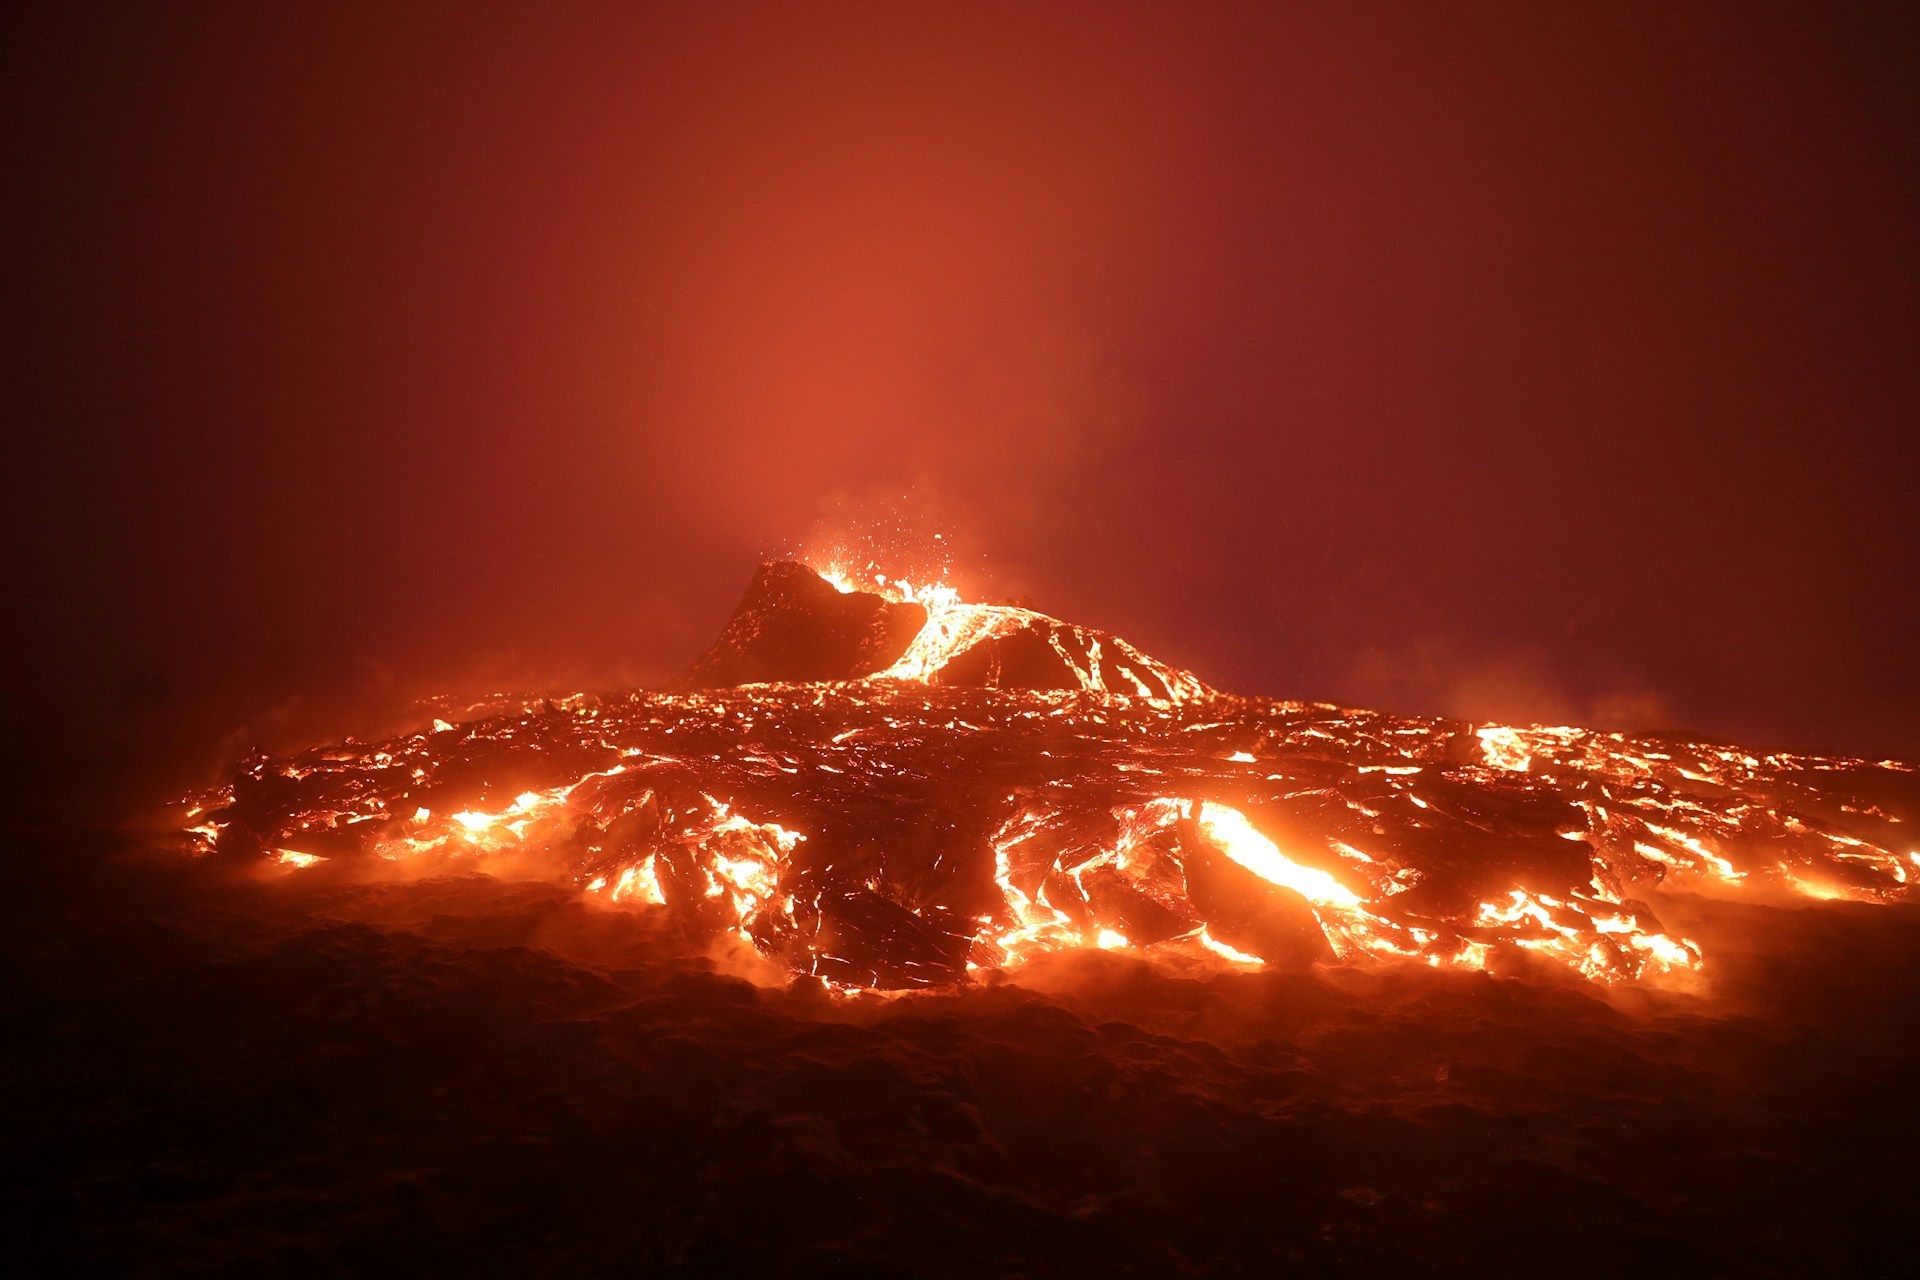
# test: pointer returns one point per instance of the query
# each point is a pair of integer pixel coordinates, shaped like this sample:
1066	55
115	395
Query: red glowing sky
1517	361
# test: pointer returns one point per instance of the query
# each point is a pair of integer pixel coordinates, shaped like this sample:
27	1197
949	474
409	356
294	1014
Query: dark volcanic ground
208	1073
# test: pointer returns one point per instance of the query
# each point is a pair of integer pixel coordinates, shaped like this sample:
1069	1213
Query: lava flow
884	787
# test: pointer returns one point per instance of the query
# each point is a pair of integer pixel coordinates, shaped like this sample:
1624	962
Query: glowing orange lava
897	830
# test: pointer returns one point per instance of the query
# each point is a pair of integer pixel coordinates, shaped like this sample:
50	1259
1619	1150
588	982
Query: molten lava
883	787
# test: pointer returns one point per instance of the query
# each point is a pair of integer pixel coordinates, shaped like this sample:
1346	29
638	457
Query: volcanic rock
884	804
868	939
793	625
1245	912
1044	653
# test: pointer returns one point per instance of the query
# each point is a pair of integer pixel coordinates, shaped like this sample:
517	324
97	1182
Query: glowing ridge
953	627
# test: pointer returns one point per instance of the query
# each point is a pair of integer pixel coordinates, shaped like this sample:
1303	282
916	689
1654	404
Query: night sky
1534	362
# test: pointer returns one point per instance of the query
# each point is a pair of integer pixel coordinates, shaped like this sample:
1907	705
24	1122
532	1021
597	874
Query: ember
881	786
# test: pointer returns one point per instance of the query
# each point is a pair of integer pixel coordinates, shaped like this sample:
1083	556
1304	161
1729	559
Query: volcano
881	787
794	624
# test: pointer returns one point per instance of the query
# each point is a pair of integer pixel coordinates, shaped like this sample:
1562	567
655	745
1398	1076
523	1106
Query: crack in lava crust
895	832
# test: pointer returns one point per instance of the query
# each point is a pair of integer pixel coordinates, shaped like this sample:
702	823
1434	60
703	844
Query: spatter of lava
885	787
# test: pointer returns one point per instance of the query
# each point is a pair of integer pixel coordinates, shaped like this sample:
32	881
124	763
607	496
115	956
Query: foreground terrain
212	1074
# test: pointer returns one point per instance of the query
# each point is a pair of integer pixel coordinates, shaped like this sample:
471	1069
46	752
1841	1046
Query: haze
1555	365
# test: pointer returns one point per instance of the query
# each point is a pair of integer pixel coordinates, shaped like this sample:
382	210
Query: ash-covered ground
210	1073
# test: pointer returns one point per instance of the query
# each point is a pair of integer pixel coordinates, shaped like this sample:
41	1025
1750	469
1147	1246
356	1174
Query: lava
881	786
